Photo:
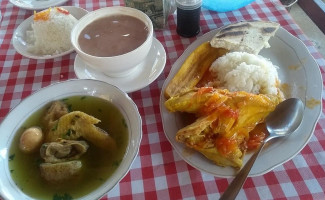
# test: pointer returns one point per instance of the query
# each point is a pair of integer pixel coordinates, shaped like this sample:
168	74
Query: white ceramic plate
37	4
17	116
146	72
19	36
297	69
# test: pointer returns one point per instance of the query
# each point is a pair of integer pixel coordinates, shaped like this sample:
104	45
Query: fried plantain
193	69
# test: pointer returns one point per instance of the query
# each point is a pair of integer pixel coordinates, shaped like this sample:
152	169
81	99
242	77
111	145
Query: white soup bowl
114	66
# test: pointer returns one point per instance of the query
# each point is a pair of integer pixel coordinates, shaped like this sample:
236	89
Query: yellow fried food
193	69
224	121
78	124
193	100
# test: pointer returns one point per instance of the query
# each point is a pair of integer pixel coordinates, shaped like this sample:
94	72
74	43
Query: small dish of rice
46	34
241	71
50	34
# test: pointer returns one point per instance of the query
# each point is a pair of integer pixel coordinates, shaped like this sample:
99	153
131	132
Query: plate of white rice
287	63
241	71
46	39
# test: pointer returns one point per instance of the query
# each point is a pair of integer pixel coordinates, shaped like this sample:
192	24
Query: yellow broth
98	164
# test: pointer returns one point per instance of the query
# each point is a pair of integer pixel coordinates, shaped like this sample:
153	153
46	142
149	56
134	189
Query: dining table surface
158	172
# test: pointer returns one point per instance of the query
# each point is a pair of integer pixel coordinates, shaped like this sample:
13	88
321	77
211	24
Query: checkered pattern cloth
158	172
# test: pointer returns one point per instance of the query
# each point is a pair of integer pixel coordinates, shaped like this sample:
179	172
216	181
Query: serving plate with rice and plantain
218	93
46	34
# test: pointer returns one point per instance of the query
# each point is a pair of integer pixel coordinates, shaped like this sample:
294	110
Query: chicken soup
68	148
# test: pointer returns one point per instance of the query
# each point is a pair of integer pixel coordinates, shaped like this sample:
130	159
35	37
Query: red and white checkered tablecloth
158	172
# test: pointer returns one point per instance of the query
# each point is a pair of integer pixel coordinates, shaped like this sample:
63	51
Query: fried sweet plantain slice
193	69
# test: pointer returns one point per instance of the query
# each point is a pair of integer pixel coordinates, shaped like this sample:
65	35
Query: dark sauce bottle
188	17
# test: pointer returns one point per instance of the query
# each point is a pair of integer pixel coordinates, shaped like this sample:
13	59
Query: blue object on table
225	5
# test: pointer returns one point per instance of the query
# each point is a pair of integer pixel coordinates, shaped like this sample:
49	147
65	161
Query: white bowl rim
74	34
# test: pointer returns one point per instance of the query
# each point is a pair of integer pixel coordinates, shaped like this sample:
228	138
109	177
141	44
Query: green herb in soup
68	148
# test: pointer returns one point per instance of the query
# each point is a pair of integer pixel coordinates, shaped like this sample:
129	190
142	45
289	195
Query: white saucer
37	4
146	72
19	37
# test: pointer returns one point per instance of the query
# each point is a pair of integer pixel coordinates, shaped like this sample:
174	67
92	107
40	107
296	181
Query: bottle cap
188	4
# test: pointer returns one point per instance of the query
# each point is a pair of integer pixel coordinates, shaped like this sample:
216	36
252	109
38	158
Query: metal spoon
284	120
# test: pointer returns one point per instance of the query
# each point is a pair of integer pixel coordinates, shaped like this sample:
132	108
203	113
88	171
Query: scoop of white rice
241	71
52	36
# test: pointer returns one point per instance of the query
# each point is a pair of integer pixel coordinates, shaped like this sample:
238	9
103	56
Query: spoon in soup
284	120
